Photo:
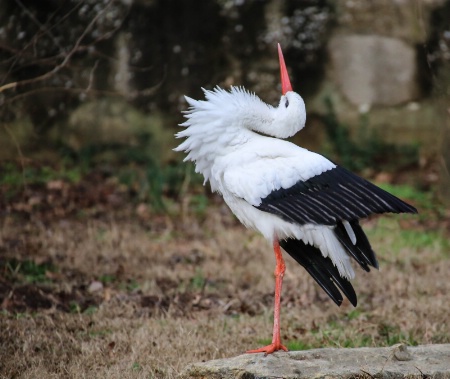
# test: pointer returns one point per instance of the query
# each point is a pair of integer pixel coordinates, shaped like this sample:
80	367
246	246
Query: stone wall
376	66
383	59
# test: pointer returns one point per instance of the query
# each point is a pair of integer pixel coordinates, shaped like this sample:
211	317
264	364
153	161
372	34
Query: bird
298	200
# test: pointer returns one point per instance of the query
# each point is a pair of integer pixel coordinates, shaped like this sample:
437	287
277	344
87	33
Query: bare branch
64	62
22	53
92	92
39	24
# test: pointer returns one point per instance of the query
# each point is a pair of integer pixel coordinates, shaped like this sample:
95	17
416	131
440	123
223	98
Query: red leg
279	273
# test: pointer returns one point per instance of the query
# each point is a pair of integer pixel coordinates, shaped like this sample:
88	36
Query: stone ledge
398	361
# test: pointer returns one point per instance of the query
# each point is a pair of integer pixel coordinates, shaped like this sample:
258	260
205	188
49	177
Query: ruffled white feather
222	138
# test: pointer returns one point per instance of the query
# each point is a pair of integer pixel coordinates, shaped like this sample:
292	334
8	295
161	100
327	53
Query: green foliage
264	342
368	150
336	332
430	208
407	192
132	285
13	177
106	279
392	335
136	366
128	285
152	183
138	167
90	310
353	314
74	307
29	271
425	202
423	240
199	203
139	160
434	241
298	345
198	281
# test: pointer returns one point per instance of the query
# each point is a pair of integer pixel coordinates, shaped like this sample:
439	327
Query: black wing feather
321	269
330	197
361	251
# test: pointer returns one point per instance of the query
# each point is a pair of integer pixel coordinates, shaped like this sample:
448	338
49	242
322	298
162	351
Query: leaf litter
91	282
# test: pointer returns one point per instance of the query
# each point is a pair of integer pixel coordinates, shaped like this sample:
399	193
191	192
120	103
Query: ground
95	284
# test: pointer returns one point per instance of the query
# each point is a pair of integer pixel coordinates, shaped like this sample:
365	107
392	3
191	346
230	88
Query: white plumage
295	198
244	166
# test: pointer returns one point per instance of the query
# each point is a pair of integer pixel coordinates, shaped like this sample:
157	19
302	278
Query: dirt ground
92	285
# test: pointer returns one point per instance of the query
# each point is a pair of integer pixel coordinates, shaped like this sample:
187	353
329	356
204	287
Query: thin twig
18	54
39	24
65	60
93	92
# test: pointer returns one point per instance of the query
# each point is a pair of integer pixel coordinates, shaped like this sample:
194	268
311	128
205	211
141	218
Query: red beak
285	82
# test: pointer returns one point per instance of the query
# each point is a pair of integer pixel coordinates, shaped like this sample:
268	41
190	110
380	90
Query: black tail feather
361	251
363	243
321	269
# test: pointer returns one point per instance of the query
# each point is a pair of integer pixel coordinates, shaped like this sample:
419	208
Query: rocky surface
374	69
398	361
400	19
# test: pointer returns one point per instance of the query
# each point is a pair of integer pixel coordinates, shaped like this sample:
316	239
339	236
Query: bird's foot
269	349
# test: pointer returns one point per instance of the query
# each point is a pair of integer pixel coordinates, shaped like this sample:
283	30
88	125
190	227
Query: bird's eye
286	104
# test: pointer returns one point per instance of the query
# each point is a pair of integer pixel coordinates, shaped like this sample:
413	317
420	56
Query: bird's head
286	119
227	119
290	116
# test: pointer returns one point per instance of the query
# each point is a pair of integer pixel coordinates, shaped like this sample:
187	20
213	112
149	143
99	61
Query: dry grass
180	291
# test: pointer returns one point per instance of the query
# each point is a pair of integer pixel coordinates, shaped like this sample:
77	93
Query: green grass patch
298	345
29	271
132	285
198	281
74	307
340	333
136	366
14	177
128	285
199	203
353	314
363	340
407	192
107	279
391	335
395	239
423	201
90	310
367	148
427	203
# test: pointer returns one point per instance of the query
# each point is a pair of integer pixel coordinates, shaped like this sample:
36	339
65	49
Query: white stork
296	199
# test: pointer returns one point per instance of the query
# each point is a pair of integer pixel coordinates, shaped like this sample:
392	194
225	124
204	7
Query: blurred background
116	260
97	86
